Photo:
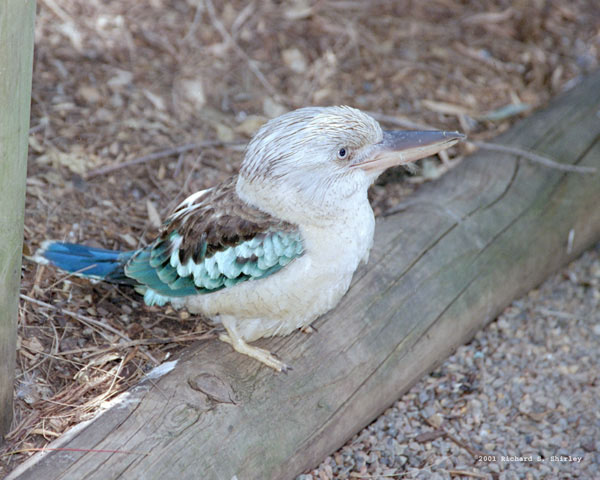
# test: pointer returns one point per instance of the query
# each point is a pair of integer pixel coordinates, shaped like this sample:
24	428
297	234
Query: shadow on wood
462	249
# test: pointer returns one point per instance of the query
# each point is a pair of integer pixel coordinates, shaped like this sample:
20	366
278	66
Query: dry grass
117	81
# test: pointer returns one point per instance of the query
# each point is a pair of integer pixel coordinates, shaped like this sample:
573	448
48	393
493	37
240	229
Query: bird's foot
257	353
308	329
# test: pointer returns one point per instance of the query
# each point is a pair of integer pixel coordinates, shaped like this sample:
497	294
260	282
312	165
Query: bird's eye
342	153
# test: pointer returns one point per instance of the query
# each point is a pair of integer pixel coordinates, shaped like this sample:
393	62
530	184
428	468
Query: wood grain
16	63
460	251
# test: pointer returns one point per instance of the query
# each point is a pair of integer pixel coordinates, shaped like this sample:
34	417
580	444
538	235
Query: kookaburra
268	251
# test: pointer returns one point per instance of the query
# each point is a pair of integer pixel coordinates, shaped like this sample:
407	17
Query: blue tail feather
86	261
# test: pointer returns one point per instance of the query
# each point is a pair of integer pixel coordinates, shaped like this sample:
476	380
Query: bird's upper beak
399	147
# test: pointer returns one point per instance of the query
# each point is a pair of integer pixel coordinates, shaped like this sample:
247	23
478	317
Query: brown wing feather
219	219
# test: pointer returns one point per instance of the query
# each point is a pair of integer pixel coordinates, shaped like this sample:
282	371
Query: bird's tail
88	262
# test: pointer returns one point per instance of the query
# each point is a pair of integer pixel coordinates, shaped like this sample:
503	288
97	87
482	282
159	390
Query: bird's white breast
306	288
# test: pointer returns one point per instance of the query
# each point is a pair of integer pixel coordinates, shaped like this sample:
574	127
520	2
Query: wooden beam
462	249
16	62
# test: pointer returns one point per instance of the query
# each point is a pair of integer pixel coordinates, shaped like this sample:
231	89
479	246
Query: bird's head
318	158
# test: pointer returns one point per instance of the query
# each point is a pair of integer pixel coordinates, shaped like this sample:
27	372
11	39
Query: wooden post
16	62
462	249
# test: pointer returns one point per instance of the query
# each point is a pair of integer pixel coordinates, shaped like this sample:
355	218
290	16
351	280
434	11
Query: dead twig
167	152
443	432
190	337
466	473
534	157
399	121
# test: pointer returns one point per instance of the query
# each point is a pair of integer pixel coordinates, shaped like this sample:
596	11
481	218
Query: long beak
399	147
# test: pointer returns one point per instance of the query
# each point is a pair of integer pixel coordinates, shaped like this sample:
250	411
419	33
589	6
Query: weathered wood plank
16	63
462	249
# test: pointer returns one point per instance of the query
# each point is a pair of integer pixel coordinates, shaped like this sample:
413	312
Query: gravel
520	401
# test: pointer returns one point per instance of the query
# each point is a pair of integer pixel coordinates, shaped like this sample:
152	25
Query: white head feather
293	167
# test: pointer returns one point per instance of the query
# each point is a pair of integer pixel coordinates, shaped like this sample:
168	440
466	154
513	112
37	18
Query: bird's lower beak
401	147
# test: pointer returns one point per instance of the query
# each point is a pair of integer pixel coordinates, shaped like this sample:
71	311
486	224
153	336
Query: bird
270	250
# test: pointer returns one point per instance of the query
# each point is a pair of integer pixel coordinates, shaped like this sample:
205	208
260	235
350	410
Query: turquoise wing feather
162	275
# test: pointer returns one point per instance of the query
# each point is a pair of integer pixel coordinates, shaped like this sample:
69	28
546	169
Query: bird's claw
272	361
286	368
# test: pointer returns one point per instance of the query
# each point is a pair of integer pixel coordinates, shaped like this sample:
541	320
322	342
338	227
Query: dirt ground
136	105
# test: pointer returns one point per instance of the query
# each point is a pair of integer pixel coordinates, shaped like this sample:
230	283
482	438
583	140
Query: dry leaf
273	109
445	108
89	94
32	344
294	59
299	10
193	90
224	133
35	145
153	214
120	79
250	125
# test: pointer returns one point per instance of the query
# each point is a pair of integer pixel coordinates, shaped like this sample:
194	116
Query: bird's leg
308	329
233	338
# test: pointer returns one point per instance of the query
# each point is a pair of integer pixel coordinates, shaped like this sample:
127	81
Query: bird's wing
213	240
